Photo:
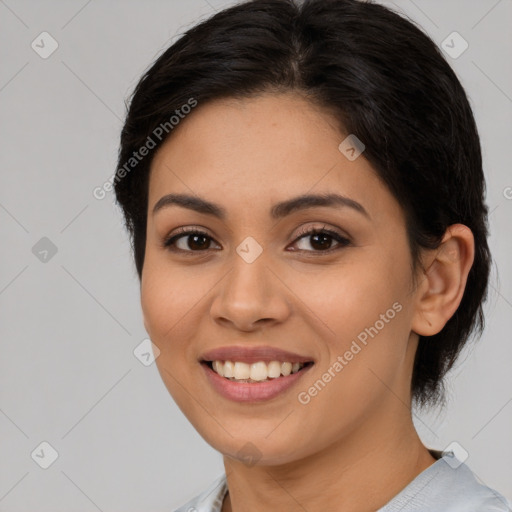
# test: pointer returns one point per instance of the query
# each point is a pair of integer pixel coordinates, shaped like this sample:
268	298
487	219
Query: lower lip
255	391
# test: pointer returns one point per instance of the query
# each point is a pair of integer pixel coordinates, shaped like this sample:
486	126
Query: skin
354	444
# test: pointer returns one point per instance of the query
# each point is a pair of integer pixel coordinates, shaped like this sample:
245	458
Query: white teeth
228	369
255	372
274	369
286	369
259	371
242	370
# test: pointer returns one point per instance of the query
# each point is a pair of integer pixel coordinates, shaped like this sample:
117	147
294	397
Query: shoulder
450	486
210	500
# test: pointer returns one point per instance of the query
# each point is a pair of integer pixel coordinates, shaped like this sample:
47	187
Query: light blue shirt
444	486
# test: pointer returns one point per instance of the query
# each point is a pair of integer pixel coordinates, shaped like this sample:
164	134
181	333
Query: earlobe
443	281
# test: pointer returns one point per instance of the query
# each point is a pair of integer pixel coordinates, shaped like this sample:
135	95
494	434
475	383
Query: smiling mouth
260	371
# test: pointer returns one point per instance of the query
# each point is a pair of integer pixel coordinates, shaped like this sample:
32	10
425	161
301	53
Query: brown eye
321	240
194	241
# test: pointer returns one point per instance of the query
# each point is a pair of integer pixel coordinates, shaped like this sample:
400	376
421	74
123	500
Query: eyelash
343	241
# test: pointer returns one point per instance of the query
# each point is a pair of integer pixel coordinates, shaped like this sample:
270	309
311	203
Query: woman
303	185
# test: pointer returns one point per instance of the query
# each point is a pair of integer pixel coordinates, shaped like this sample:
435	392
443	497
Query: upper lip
246	354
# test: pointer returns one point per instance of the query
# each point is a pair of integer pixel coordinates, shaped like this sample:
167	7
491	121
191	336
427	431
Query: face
257	275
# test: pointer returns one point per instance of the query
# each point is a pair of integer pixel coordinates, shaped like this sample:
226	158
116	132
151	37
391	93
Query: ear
443	282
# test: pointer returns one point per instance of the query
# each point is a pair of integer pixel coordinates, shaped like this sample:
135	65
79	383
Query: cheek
346	298
169	298
361	318
170	303
363	362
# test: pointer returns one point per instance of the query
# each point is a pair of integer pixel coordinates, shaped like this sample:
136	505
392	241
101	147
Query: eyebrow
278	211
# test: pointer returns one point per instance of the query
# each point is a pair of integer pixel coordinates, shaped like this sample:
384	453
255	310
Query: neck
359	473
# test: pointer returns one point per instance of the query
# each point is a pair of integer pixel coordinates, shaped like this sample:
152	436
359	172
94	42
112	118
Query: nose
251	296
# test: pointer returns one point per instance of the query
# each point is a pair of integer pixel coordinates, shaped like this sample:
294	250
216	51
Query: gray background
70	321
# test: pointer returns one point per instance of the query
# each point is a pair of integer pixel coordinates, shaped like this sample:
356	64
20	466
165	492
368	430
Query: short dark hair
384	79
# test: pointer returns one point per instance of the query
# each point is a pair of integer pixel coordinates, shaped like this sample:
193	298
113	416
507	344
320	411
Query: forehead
252	130
238	151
